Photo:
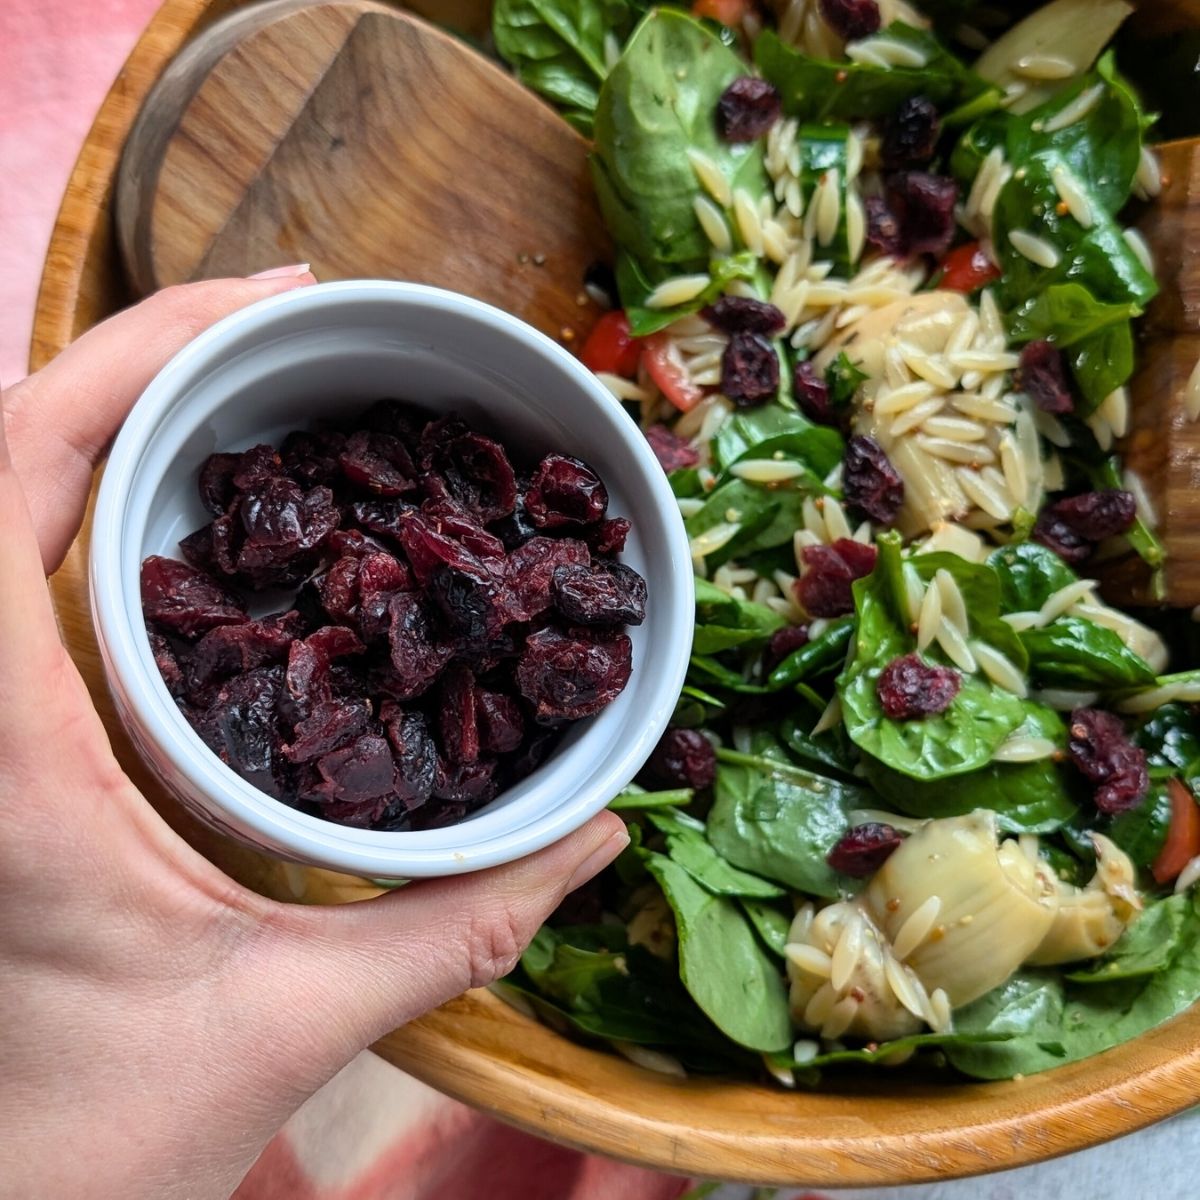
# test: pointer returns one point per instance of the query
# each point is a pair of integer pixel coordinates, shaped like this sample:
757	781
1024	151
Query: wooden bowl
882	1130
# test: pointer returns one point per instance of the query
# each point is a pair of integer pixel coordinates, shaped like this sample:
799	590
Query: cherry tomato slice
664	363
728	12
1183	834
967	268
611	347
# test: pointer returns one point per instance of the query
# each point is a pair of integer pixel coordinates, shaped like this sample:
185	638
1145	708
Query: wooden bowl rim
483	1052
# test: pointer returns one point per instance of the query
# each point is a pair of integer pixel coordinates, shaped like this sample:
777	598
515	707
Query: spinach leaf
1172	743
1073	652
842	378
1141	831
716	674
886	1054
723	621
557	48
761	432
770	921
980	717
635	286
687	846
657	104
827	148
781	821
830	751
1145	948
767	517
1032	797
820	656
724	967
1029	575
814	89
1053	1021
1067	314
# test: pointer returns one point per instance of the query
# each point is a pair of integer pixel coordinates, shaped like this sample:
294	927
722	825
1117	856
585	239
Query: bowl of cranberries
386	582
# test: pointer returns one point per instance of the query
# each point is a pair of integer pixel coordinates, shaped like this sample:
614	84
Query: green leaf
818	657
843	377
1053	1020
964	736
823	752
722	964
1066	314
781	821
815	89
658	103
1171	740
723	621
767	516
761	432
636	799
635	286
1029	575
556	47
1073	652
887	1054
1145	948
1141	831
687	846
770	921
1033	797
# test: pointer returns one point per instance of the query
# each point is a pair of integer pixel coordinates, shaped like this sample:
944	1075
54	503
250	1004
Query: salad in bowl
928	793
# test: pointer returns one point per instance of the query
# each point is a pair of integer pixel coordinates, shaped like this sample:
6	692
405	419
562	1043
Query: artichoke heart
1090	919
962	911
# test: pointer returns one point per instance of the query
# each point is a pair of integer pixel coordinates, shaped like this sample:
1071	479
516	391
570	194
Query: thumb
349	974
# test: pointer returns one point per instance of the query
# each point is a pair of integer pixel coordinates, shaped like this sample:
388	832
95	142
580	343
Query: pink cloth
372	1133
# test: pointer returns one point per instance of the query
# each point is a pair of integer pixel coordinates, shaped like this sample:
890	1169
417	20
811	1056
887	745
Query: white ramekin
334	348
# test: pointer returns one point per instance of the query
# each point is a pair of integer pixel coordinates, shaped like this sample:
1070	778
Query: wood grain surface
359	139
478	1049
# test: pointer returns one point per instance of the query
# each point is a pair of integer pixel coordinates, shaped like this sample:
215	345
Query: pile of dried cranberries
449	617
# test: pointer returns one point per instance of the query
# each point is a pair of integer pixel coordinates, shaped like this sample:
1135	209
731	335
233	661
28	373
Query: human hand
158	1022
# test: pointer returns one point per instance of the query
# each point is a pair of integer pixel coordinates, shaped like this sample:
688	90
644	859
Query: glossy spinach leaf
781	821
1073	652
687	846
1029	575
656	105
1053	1021
766	517
557	48
831	751
815	89
886	1054
723	621
635	283
1145	948
771	922
842	378
1141	831
981	716
761	432
1066	314
1032	797
711	672
722	963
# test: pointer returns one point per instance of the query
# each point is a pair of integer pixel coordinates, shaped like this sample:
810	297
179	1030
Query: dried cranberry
469	603
1101	750
573	674
1071	527
378	463
180	599
864	849
924	206
884	231
279	514
231	649
672	452
812	394
873	487
909	687
744	314
783	642
1042	376
911	134
330	724
852	19
749	370
825	587
428	549
469	784
401	420
608	593
529	573
565	491
167	662
479	476
414	754
608	537
682	758
747	109
311	459
216	482
242	728
501	726
517	528
417	656
449	518
457	720
357	780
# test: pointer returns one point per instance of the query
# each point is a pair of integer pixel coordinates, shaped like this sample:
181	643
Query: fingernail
282	272
598	859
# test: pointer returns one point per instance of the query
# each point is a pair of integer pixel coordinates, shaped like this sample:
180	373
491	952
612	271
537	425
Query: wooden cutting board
366	142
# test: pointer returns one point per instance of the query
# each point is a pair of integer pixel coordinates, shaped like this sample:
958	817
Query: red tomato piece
1183	834
728	12
967	268
611	347
664	363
